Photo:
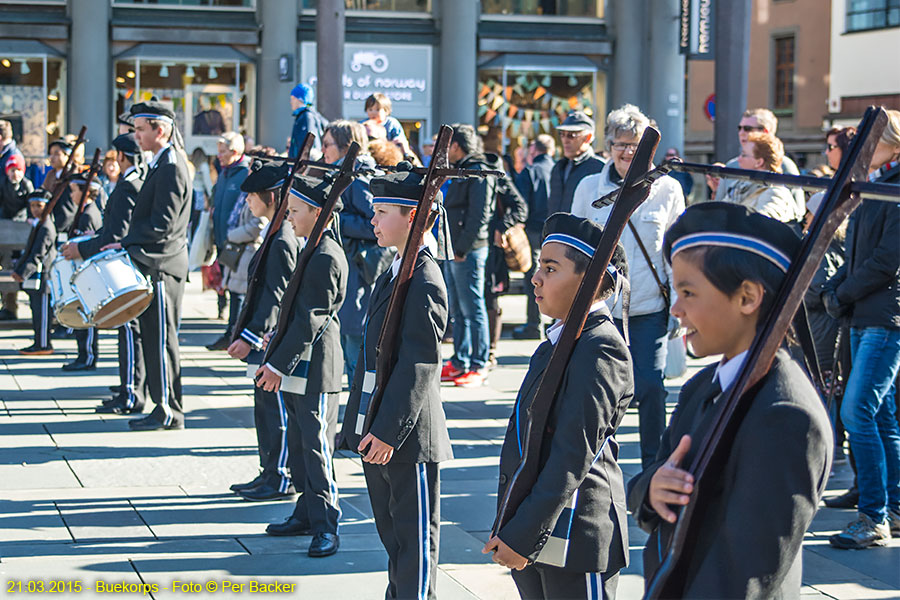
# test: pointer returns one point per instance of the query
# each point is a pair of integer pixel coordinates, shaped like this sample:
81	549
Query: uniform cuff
251	338
274	370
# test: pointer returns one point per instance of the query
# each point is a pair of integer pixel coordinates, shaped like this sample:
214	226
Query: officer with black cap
306	368
261	306
129	397
157	243
576	133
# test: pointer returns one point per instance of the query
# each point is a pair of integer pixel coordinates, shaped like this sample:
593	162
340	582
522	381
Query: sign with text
695	30
400	72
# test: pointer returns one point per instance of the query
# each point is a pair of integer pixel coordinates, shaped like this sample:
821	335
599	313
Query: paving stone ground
85	501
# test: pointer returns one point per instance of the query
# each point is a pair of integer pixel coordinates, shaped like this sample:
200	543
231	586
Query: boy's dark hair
380	100
581	262
432	217
467	139
267	197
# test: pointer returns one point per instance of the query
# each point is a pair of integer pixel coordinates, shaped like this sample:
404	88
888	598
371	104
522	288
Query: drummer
32	271
129	397
89	222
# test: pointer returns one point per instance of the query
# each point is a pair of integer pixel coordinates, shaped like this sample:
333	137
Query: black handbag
230	256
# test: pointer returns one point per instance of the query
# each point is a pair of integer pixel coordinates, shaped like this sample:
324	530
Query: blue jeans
868	413
465	286
351	345
647	337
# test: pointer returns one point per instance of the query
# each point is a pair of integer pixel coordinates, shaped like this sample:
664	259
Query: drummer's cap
584	236
313	191
40	195
153	109
81	179
126	144
126	118
726	225
265	176
402	188
62	144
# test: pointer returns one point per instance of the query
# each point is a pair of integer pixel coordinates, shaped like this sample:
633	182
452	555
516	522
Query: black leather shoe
848	499
323	544
266	492
257	481
119	408
79	366
220	344
291	526
8	315
149	423
527	332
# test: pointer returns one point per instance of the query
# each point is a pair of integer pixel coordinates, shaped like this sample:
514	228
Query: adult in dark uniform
261	305
157	243
408	437
32	271
756	512
116	222
306	368
569	537
87	223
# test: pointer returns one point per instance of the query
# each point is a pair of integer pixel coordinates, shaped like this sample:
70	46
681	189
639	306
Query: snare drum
63	299
111	289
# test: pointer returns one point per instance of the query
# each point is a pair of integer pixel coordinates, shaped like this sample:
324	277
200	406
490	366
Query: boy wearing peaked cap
569	536
408	436
32	270
306	368
728	263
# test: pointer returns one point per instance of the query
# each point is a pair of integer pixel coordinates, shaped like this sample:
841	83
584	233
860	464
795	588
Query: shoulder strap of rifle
85	191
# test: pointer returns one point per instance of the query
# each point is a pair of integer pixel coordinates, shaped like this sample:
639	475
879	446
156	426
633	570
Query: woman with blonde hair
764	152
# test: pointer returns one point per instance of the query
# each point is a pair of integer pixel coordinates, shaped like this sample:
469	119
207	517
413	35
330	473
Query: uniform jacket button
502	478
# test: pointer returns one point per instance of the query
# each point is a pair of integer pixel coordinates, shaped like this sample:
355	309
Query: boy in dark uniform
32	271
727	265
261	304
408	437
89	222
306	368
569	537
157	243
116	222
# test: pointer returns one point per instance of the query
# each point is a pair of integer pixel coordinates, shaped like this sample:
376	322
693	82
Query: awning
184	53
28	48
541	62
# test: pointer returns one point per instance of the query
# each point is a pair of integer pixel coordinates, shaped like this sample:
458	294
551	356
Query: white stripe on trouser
45	314
594	584
424	531
281	468
163	363
326	452
89	350
129	366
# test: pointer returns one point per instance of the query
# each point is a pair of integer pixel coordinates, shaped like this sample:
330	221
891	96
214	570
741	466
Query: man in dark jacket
576	134
470	204
534	185
306	119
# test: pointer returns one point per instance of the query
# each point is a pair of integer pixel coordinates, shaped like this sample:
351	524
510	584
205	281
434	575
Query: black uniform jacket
578	453
116	215
751	531
157	239
264	300
411	417
90	221
43	253
314	321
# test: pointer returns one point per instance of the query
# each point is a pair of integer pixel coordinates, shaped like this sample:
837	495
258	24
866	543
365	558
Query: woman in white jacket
648	315
764	152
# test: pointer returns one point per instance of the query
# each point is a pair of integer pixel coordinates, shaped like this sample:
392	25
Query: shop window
784	72
872	14
191	3
32	98
385	5
558	8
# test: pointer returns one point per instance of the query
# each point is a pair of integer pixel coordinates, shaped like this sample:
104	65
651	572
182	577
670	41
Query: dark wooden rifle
437	172
713	449
629	197
254	282
59	186
342	181
85	191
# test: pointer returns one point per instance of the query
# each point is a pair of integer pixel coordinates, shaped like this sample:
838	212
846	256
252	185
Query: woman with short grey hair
651	281
339	135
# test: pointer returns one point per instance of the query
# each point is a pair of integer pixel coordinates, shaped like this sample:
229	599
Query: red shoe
450	373
35	350
470	379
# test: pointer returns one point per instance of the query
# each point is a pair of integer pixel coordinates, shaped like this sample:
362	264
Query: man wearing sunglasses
575	134
759	119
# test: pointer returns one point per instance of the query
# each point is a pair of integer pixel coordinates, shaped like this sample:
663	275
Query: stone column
629	21
732	45
457	62
89	68
279	21
665	72
330	58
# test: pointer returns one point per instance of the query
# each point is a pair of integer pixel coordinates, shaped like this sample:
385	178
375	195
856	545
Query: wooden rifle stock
59	187
343	180
259	271
669	581
629	197
92	172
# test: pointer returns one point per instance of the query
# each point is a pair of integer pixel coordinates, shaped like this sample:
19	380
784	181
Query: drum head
123	308
70	316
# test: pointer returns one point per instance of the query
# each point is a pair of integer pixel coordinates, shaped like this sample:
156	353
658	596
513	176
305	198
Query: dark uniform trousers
311	426
159	338
405	501
132	373
539	582
39	301
272	437
88	341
